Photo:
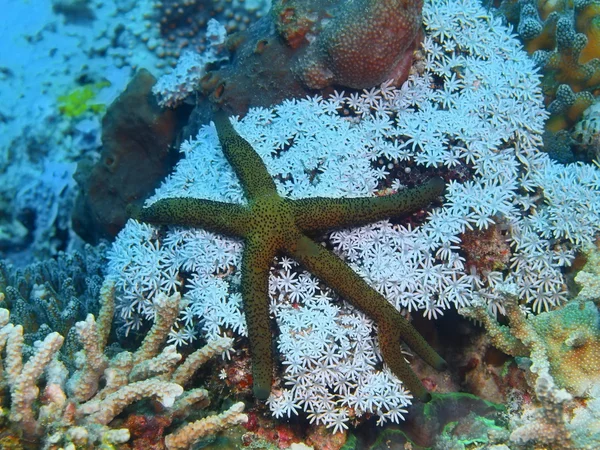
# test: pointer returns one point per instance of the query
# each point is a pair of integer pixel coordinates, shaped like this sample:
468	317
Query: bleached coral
189	434
472	109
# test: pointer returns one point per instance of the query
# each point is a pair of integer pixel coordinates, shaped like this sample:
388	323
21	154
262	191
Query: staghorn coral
272	224
76	412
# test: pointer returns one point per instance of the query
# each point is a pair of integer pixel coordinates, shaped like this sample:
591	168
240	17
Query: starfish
270	225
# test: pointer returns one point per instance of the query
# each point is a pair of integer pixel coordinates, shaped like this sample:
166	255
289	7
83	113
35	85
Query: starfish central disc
272	225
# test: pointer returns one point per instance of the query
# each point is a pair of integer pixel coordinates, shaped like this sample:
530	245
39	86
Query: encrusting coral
76	411
303	45
365	44
271	224
561	351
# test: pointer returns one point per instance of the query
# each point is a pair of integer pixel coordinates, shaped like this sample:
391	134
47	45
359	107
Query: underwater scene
299	224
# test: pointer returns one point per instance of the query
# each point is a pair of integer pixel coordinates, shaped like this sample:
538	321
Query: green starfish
271	225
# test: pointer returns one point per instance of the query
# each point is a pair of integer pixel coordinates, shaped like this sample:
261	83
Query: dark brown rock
138	140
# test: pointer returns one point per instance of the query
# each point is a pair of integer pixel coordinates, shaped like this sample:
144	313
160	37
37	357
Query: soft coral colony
471	111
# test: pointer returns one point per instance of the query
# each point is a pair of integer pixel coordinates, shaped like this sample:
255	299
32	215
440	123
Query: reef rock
315	44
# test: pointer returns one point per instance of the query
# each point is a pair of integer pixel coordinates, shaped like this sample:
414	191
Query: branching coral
77	410
563	38
53	295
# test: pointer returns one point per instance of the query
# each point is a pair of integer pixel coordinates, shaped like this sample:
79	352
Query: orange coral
588	22
564	38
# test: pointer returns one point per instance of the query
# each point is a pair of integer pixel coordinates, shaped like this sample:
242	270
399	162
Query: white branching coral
473	105
76	411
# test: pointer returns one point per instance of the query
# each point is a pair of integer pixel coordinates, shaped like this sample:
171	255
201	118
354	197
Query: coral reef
52	295
174	88
562	37
515	234
471	112
565	342
48	122
74	10
452	420
176	25
560	353
43	205
258	73
77	410
486	250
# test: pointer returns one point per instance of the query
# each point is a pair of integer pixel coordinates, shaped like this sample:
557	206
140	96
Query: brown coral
136	155
314	44
367	43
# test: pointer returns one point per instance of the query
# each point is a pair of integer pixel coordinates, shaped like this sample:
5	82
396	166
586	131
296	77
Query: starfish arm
319	213
218	217
256	261
392	326
247	164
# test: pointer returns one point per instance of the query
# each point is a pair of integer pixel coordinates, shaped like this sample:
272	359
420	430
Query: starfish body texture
270	225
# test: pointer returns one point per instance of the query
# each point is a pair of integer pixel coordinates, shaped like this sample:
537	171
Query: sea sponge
81	100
